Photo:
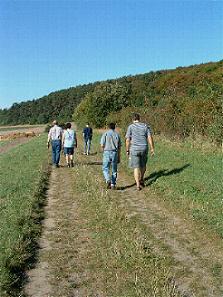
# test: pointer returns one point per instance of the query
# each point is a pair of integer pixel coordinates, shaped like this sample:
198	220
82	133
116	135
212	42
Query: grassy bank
23	180
188	177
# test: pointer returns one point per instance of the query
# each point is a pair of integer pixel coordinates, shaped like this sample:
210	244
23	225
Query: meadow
119	248
23	178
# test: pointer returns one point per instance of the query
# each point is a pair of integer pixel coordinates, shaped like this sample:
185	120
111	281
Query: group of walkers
138	141
67	140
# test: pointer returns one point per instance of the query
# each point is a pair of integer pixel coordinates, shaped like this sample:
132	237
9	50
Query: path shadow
149	180
125	187
88	163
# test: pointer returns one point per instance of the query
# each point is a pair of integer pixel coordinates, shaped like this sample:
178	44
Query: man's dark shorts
68	151
138	159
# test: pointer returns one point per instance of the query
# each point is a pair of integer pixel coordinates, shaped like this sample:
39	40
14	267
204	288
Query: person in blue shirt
111	146
87	135
69	142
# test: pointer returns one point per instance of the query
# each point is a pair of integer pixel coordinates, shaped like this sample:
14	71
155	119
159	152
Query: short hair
111	126
68	125
55	122
136	117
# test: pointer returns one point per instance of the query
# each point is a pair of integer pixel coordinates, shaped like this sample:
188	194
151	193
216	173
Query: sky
52	45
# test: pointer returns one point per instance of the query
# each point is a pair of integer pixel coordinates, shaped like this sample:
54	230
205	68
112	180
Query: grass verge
23	184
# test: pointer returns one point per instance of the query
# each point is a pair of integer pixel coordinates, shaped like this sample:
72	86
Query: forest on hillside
181	102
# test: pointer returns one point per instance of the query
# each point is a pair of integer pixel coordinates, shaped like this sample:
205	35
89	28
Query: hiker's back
112	141
87	132
69	138
138	133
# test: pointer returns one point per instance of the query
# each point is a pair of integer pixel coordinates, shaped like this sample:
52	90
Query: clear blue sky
51	45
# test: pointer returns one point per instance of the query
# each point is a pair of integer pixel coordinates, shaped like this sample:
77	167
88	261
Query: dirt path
45	279
197	255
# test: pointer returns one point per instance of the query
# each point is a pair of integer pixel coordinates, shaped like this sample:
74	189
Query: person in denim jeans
111	146
54	137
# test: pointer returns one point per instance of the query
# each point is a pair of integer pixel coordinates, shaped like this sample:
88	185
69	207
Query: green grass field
190	179
23	178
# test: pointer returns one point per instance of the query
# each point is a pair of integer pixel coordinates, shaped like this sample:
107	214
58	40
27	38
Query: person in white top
55	137
69	142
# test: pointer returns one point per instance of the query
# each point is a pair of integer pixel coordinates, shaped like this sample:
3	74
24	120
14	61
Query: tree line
181	102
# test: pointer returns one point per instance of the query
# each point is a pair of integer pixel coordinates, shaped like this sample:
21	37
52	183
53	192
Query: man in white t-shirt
55	137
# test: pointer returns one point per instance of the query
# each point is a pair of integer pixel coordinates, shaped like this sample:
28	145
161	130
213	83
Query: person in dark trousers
138	139
69	142
87	135
111	146
54	138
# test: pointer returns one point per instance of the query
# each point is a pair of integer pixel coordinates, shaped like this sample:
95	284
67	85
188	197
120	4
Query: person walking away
69	142
87	135
138	139
54	138
111	146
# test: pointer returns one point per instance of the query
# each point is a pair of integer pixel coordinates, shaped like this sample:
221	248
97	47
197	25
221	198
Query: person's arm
48	139
102	142
75	140
128	140
119	154
63	138
151	144
127	145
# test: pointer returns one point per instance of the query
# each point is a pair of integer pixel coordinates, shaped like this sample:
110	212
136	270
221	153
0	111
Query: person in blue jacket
87	135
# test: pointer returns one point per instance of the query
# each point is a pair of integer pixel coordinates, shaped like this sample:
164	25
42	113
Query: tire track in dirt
196	253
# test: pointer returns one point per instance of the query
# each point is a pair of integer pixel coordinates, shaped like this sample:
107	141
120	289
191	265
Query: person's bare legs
142	170
67	160
137	176
71	160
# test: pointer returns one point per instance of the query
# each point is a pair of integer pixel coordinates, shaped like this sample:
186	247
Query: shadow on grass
149	180
36	227
88	163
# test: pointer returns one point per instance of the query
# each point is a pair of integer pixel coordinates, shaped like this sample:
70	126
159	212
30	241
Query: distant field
10	129
22	182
